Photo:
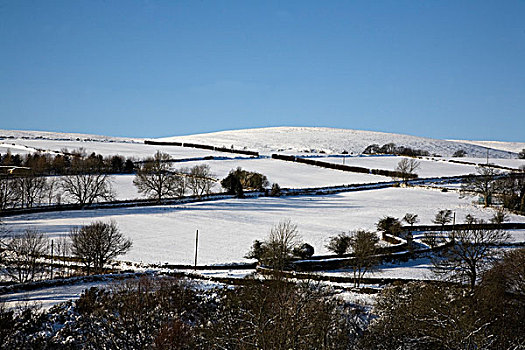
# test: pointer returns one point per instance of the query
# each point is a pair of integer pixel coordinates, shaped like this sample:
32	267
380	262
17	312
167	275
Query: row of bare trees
27	190
156	178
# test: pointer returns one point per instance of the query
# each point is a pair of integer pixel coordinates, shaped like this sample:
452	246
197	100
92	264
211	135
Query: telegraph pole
52	246
196	246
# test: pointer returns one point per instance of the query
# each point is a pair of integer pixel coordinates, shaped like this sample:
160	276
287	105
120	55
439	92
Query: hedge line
482	164
200	146
344	167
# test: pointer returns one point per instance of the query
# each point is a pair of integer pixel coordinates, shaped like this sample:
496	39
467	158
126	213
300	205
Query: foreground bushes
170	313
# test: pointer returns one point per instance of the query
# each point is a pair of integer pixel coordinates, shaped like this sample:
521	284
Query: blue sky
443	69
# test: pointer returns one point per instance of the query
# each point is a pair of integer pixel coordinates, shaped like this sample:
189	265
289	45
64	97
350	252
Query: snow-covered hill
329	140
61	136
504	146
291	140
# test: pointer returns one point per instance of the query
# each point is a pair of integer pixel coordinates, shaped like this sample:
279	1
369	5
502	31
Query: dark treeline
69	163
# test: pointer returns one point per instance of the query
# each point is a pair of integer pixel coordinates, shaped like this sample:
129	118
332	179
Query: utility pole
487	156
52	246
196	246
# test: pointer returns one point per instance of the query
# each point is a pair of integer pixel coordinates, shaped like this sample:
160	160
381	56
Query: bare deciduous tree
410	218
7	191
156	180
30	189
23	253
471	253
87	188
443	217
364	248
483	184
96	244
339	244
278	249
201	180
407	168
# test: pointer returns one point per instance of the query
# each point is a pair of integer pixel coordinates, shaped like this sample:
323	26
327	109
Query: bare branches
87	188
407	168
96	244
24	251
484	184
156	180
471	253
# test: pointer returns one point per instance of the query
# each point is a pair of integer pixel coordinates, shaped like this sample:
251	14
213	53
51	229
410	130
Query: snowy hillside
291	140
329	140
48	135
504	146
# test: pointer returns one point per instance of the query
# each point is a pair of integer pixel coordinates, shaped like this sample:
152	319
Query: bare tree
88	184
482	184
410	218
364	248
407	168
499	217
389	225
443	217
156	180
4	232
339	244
471	253
277	250
62	251
7	191
201	180
52	190
96	244
30	189
511	190
23	252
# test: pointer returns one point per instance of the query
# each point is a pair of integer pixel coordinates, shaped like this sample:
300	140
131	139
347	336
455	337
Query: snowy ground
137	150
227	228
504	146
288	174
414	269
47	297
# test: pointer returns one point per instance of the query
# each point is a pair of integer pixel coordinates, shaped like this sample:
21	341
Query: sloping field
229	227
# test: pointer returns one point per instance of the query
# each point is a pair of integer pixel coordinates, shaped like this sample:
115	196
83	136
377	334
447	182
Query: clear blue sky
444	69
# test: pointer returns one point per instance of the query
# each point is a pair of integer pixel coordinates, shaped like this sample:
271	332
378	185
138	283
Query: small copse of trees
239	180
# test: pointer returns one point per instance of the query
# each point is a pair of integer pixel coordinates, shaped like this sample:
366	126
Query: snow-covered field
227	228
137	150
288	174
